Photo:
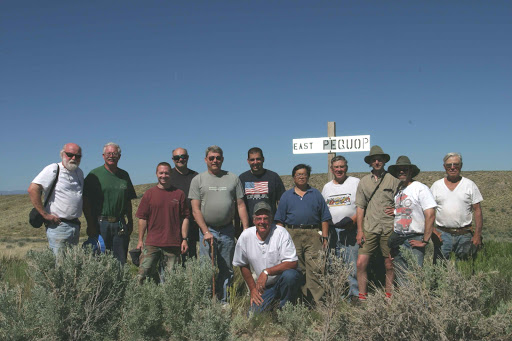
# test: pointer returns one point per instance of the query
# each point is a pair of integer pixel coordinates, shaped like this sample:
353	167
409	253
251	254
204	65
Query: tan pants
308	244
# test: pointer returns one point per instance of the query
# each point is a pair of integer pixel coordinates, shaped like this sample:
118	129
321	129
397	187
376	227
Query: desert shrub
12	322
78	298
296	322
210	322
143	312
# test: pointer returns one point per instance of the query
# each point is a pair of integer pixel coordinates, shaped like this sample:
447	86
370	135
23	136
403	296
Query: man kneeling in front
269	250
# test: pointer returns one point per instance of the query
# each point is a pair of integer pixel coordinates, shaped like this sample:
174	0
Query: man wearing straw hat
414	214
375	192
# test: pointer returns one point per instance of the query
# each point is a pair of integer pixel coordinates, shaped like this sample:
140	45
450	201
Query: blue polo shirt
307	210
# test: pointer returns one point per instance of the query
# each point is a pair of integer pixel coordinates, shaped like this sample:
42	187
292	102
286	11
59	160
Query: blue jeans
400	263
114	242
460	244
345	245
64	233
224	249
286	289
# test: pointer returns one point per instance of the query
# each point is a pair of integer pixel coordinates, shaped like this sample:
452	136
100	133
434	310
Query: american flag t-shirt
259	187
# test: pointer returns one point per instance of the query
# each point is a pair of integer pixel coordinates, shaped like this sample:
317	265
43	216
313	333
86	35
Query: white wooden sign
335	144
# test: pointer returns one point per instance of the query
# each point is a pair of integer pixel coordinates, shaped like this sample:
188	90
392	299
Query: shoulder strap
53	186
375	190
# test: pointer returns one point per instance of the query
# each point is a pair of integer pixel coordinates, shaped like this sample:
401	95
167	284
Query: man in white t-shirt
65	204
340	196
414	213
457	199
268	249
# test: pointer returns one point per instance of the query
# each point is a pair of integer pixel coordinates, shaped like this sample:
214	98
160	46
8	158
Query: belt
218	227
109	219
456	230
306	227
71	221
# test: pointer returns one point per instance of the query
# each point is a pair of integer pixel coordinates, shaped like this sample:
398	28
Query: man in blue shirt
303	211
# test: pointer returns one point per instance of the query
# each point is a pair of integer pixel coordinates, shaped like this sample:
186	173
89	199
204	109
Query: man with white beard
65	203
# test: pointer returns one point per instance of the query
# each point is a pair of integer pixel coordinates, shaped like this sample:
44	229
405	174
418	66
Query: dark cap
262	205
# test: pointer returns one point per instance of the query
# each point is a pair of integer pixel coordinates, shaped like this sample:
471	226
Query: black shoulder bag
34	217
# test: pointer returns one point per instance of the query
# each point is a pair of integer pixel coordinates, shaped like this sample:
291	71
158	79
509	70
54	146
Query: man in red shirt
163	213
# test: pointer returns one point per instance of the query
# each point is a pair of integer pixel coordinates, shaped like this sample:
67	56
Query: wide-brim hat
376	150
400	162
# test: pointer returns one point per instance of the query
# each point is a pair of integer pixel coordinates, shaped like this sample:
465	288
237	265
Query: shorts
373	240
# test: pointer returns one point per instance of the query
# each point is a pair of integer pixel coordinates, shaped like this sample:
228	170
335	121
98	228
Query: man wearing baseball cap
375	192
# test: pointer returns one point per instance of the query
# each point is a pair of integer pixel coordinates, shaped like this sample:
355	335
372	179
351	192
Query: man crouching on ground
269	250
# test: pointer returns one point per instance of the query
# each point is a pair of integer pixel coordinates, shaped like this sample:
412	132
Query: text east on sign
335	144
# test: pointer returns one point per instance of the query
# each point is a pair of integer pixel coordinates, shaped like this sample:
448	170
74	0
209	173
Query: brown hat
403	161
376	150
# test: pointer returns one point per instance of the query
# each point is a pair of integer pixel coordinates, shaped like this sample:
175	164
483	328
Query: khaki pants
308	244
167	257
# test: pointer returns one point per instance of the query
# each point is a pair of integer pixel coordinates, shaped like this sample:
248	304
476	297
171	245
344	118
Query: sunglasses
218	158
70	155
452	165
182	156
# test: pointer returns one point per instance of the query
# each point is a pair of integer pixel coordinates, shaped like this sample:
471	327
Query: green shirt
108	193
376	221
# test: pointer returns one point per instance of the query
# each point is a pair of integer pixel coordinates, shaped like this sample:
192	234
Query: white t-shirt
410	203
455	208
341	199
66	200
260	255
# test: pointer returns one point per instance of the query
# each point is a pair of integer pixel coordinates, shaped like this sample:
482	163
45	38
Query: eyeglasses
70	155
218	158
263	219
452	165
301	176
182	156
402	169
114	154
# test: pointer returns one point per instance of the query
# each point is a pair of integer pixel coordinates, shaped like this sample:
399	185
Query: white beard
70	166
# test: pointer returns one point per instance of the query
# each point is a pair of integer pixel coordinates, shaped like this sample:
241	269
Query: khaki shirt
376	221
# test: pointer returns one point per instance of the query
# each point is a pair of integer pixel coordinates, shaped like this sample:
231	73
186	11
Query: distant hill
13	192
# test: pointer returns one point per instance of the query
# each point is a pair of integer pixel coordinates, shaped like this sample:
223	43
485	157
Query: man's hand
261	282
436	237
184	247
325	243
417	243
390	211
140	245
207	238
360	238
52	219
256	297
477	240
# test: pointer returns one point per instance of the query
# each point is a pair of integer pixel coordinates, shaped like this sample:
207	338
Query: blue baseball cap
97	244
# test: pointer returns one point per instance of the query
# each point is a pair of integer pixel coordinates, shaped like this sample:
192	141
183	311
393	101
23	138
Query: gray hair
214	149
339	158
185	149
449	155
61	153
112	144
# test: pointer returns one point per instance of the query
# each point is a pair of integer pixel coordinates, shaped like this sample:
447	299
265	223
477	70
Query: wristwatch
266	272
424	241
186	239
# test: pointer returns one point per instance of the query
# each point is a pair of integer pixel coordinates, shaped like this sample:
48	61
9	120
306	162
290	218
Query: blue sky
422	78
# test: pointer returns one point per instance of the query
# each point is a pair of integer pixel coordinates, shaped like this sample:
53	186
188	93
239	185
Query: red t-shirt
164	211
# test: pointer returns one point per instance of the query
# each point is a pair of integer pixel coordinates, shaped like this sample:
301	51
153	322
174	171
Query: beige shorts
372	241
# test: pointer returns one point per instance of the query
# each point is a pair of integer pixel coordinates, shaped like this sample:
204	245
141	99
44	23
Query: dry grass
17	236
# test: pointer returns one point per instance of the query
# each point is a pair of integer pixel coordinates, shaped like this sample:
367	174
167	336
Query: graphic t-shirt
341	198
410	203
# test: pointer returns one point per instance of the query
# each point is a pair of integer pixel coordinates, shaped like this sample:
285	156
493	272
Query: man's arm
198	216
430	216
92	223
249	280
242	212
325	234
143	225
360	217
184	235
273	271
34	192
479	223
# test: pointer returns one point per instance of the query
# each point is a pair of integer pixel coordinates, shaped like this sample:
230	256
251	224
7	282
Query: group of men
292	231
